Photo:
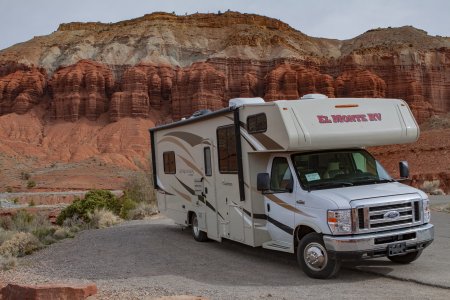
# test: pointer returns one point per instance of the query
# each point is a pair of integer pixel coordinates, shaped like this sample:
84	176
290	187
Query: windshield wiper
369	180
331	184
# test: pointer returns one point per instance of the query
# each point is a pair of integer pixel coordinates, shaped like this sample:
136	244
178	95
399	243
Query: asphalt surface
155	258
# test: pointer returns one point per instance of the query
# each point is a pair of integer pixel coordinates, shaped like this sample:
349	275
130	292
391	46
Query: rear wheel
406	258
314	259
199	236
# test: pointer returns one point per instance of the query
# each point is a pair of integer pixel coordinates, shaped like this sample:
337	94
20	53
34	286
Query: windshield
340	168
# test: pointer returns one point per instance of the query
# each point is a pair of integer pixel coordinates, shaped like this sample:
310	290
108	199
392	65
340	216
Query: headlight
426	211
340	221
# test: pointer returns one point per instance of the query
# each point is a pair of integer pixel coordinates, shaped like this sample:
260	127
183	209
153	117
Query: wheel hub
195	226
315	256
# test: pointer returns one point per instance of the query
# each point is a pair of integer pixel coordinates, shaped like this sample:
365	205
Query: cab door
280	201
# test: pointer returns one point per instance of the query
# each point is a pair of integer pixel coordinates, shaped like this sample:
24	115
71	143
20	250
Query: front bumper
376	244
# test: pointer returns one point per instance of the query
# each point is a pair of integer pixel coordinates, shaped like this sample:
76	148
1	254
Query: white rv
294	176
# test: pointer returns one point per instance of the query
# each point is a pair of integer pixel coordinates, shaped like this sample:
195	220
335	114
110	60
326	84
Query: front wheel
199	236
313	258
406	258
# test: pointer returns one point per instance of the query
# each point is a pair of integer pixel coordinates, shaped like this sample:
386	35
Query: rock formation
80	90
20	90
105	84
173	65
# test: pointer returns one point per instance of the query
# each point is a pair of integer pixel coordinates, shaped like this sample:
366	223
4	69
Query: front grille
380	217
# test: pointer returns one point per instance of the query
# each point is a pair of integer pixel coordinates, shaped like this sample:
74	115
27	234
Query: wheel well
189	217
300	232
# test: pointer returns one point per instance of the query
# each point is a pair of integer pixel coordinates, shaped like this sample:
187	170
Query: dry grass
140	189
142	211
102	218
7	262
437	122
20	244
432	187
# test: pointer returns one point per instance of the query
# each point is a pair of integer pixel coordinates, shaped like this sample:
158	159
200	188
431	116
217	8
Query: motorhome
294	176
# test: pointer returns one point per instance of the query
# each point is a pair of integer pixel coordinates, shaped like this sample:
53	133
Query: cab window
281	179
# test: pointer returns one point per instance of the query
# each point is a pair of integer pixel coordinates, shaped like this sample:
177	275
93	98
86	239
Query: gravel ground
147	259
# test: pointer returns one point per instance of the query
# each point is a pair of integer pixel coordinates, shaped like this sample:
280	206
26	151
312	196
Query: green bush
127	206
94	199
31	184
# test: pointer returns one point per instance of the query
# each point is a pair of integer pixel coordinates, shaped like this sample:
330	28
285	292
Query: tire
199	236
314	259
406	258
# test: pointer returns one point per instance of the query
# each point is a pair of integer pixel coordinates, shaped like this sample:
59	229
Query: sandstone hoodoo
164	67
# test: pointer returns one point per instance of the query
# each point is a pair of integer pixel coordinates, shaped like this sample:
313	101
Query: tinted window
169	162
257	123
226	149
280	177
207	159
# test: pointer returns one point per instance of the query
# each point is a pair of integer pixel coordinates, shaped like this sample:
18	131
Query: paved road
157	258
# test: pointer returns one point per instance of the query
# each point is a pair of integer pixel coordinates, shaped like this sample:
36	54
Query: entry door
209	191
231	220
280	203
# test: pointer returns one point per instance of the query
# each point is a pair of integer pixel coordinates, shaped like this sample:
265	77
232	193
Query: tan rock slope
90	90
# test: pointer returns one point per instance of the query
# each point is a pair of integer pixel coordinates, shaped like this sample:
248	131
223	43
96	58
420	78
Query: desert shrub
45	234
432	187
94	199
6	223
31	184
139	188
7	262
127	206
9	189
74	223
22	221
25	175
63	233
5	235
437	122
142	211
20	244
102	218
31	203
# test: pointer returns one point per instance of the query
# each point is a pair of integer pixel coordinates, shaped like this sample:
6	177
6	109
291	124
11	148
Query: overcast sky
20	20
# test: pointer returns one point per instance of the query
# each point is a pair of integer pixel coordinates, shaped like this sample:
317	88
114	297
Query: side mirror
404	169
263	182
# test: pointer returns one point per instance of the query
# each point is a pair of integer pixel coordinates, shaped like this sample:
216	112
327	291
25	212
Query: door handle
268	207
300	201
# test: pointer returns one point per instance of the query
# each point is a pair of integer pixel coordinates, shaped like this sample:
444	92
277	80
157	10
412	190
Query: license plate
396	249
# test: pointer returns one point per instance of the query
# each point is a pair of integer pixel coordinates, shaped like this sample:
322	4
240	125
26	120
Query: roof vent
314	96
244	101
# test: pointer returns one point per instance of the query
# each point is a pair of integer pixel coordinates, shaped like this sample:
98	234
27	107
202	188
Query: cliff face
174	65
164	67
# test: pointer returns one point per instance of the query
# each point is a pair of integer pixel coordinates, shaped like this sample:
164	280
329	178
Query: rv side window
207	156
280	177
226	148
257	123
169	162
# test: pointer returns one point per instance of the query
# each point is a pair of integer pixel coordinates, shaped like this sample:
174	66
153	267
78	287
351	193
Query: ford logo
393	214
